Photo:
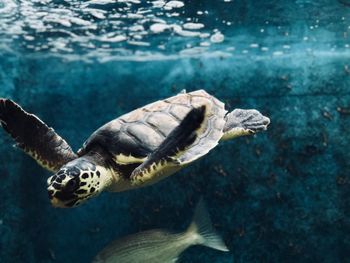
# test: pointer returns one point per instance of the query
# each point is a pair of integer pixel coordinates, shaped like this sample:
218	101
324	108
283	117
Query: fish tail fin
202	227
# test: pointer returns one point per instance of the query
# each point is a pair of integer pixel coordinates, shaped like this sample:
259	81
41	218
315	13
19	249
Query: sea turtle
134	150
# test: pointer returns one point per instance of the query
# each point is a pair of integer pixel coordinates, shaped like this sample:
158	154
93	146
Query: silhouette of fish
162	246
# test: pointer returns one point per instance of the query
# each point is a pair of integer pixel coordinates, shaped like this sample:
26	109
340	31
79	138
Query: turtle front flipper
244	122
34	136
166	156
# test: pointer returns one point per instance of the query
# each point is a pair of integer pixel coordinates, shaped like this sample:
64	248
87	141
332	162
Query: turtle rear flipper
34	136
244	122
169	152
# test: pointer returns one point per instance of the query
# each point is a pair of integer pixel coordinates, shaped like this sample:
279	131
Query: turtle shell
131	137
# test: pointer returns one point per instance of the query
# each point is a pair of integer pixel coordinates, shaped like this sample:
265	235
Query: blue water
280	196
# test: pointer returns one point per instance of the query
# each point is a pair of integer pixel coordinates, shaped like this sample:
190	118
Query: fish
163	246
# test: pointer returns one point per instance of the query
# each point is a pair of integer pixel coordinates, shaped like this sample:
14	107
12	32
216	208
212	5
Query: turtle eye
71	184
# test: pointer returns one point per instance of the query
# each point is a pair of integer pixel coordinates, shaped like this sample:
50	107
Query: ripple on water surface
109	29
115	27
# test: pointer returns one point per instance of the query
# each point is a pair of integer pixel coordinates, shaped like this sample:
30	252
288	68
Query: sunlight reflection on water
156	28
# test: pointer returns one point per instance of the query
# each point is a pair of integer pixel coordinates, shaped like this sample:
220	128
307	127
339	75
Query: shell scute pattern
141	131
162	122
213	129
180	99
137	114
160	105
127	144
164	116
179	111
115	125
144	133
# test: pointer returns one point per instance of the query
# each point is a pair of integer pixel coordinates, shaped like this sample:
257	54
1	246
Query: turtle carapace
134	150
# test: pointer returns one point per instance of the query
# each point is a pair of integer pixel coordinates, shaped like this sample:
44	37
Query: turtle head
76	182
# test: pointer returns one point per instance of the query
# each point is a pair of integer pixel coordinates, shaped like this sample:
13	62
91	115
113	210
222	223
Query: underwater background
280	196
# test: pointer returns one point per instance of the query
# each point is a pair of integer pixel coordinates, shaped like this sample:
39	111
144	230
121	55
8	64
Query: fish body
158	246
162	246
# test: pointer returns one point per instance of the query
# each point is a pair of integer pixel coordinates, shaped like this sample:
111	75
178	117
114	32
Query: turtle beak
56	203
50	192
